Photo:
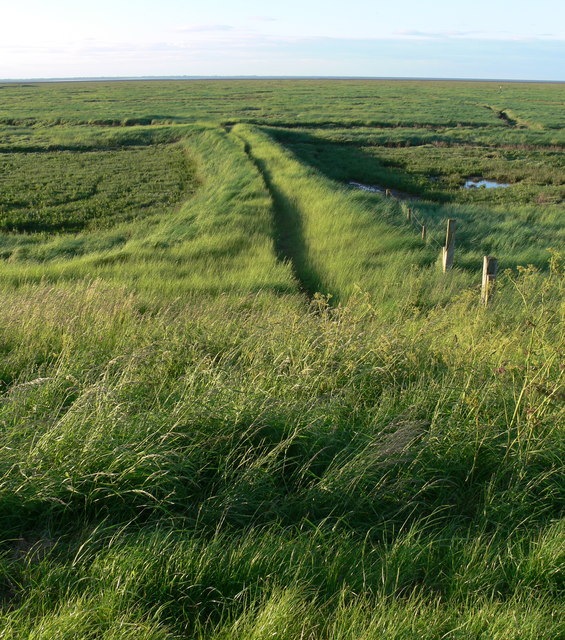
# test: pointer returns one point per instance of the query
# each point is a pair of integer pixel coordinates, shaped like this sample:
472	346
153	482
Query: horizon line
264	77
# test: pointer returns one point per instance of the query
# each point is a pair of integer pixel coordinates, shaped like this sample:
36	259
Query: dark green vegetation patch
436	165
73	190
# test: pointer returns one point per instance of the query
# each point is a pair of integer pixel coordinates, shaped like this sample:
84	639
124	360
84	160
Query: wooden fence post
423	233
409	214
449	249
388	193
490	268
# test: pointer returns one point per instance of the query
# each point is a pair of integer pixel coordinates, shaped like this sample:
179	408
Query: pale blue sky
444	38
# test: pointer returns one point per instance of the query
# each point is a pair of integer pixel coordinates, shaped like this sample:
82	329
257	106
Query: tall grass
208	468
340	241
518	224
219	239
190	447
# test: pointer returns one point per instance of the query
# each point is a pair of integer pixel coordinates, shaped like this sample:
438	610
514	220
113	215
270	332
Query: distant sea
148	78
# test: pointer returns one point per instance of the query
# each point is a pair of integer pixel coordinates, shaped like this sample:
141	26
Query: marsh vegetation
239	399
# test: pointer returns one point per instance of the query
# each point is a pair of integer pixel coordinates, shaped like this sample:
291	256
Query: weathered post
409	214
388	193
449	249
423	233
490	268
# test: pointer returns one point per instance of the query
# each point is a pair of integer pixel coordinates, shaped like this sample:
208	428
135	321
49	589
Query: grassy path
339	240
290	244
218	238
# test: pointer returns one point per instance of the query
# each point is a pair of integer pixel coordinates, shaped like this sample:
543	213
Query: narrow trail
289	242
502	114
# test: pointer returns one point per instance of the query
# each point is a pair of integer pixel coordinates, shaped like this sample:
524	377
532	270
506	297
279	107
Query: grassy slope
178	463
214	241
336	243
209	468
517	225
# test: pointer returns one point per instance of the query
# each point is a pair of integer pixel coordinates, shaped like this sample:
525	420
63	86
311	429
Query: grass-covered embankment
340	241
219	238
517	224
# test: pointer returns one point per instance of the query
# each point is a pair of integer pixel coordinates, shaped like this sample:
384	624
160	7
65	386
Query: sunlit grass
197	441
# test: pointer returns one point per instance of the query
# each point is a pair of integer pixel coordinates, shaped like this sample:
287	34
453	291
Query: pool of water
375	188
487	184
367	187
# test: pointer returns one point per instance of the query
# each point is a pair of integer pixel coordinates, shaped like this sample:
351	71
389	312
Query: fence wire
418	223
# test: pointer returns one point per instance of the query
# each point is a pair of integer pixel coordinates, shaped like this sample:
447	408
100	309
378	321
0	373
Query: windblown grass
340	240
205	469
219	239
518	224
197	442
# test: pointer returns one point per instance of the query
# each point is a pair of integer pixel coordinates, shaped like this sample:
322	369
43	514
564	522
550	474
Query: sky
491	39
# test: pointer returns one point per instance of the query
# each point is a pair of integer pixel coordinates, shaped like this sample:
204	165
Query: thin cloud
237	52
500	36
200	28
229	38
435	35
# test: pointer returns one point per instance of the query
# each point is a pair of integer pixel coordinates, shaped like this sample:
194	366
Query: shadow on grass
348	162
290	245
482	229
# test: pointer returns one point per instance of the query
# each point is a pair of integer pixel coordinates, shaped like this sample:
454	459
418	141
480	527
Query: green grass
184	466
255	407
68	191
336	242
517	224
436	169
219	239
294	102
